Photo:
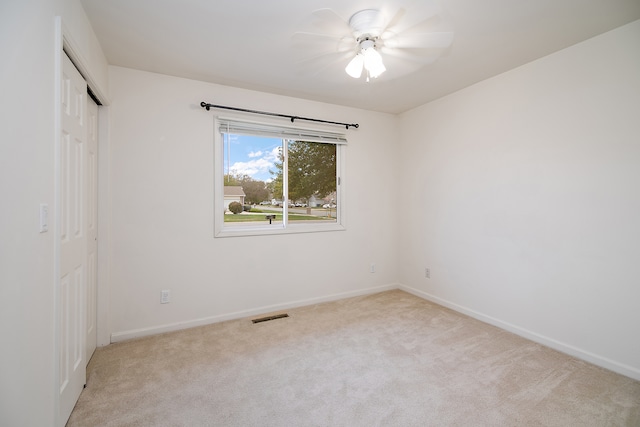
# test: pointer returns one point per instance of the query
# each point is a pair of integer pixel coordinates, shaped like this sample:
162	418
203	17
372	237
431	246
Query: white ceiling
249	44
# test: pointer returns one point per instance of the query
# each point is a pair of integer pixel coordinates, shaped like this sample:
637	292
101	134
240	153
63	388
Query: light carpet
388	359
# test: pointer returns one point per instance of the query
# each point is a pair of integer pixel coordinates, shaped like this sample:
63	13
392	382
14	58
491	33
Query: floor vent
266	319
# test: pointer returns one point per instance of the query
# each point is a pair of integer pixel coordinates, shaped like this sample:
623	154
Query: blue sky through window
251	155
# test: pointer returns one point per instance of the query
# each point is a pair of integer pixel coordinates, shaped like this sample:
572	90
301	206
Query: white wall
161	207
86	48
26	172
526	188
27	156
523	187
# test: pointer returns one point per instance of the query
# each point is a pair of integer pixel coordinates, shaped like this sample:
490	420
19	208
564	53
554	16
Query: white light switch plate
44	217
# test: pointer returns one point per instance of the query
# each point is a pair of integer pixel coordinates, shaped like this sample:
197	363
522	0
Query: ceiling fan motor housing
367	23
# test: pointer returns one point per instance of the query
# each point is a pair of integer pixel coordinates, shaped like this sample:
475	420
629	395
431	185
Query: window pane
312	179
249	170
275	184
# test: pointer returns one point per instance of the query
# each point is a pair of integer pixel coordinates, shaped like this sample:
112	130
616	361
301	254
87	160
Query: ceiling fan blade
395	20
341	43
335	22
327	55
303	36
435	40
421	19
408	56
319	63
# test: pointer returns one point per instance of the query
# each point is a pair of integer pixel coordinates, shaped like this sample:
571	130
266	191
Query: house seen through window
277	179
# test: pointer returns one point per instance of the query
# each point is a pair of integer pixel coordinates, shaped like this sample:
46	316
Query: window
272	179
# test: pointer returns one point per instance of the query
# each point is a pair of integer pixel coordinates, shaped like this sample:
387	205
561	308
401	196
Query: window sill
276	229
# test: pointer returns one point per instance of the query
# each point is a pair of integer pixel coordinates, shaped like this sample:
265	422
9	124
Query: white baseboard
153	330
595	359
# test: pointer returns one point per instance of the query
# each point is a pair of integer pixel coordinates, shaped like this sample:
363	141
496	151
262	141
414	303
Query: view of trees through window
259	191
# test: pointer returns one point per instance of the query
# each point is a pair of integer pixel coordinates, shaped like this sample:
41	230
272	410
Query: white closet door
71	294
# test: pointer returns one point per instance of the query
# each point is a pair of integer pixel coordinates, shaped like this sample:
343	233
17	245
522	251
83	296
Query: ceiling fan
368	36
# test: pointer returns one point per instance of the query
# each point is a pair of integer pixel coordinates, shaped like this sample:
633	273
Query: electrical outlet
165	296
427	273
373	268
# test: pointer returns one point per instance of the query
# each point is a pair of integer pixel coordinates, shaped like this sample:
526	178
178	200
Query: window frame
238	230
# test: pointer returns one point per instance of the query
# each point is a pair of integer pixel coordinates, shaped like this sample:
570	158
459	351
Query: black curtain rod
209	106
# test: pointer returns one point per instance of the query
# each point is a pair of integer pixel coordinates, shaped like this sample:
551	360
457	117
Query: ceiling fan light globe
373	62
354	67
377	71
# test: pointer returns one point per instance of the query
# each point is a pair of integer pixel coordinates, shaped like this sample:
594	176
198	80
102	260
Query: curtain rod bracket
208	107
